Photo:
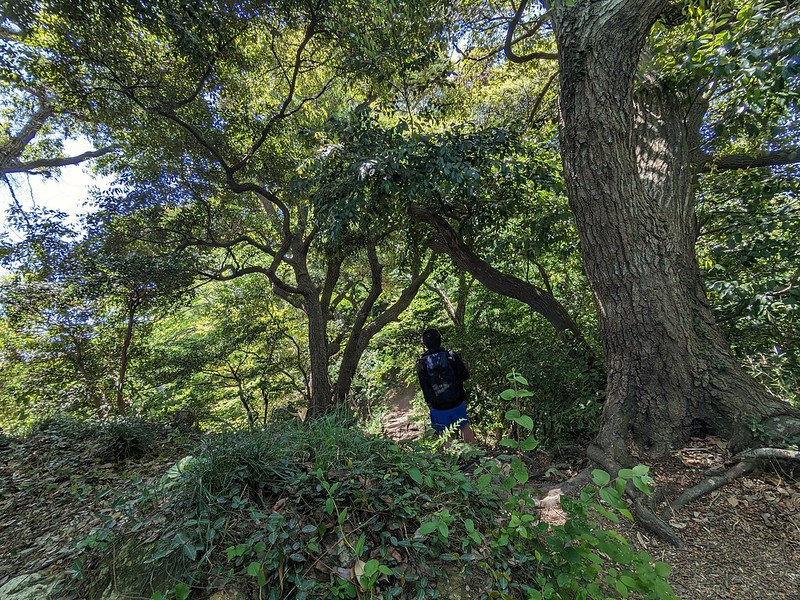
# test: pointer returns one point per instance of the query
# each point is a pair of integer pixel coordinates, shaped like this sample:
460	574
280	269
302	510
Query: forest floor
741	542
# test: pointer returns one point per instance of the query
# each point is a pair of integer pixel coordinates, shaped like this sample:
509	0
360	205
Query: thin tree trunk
321	397
363	332
121	403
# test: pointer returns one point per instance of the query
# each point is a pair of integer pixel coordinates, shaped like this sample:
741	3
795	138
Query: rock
33	586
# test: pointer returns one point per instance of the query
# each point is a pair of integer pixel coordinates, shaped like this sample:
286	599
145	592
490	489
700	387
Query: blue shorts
442	419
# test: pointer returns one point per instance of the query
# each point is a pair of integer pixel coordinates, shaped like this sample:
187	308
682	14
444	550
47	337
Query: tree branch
51	163
509	43
540	98
11	150
406	296
706	486
507	285
646	517
706	163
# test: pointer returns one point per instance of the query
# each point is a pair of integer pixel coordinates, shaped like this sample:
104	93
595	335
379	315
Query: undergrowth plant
319	510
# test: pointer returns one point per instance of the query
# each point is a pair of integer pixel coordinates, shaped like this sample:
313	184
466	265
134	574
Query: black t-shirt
461	372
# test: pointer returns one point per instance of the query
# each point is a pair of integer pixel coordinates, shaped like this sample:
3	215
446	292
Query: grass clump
126	438
319	510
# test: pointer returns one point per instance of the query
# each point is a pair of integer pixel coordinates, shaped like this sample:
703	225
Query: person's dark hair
432	339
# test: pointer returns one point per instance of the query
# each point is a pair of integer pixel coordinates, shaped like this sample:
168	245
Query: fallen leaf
358	568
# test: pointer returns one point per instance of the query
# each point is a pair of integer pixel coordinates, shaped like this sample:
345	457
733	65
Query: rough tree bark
629	174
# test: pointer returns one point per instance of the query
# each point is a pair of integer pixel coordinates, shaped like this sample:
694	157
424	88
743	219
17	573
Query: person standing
441	375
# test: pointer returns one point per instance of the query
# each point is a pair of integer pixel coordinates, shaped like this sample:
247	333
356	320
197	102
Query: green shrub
318	510
126	438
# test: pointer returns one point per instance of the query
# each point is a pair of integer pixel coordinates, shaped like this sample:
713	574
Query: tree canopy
601	189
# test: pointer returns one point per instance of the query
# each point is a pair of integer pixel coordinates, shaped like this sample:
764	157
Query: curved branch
768	453
279	286
292	81
12	149
51	163
540	98
509	43
406	296
706	163
507	285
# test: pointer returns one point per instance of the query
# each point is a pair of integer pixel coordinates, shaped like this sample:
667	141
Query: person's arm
459	367
424	384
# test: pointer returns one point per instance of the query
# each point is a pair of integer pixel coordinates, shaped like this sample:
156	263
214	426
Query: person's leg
459	416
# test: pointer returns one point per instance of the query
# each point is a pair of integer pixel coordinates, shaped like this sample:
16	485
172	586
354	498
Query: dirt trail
396	422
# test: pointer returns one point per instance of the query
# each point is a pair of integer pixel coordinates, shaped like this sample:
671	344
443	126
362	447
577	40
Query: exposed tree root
768	453
645	514
746	461
648	519
553	496
707	486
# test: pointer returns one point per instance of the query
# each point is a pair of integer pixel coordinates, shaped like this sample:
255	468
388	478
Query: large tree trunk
627	168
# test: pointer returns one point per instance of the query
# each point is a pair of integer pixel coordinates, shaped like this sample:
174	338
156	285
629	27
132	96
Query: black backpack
442	376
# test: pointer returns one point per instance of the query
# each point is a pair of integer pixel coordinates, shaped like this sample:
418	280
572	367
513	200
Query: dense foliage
317	510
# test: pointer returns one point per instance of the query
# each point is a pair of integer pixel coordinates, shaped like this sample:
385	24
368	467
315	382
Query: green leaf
508	394
519	469
182	591
190	551
640	485
662	569
512	414
371	567
253	568
444	530
520	379
509	443
600	477
427	528
483	481
612	497
360	544
529	444
525	421
415	474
